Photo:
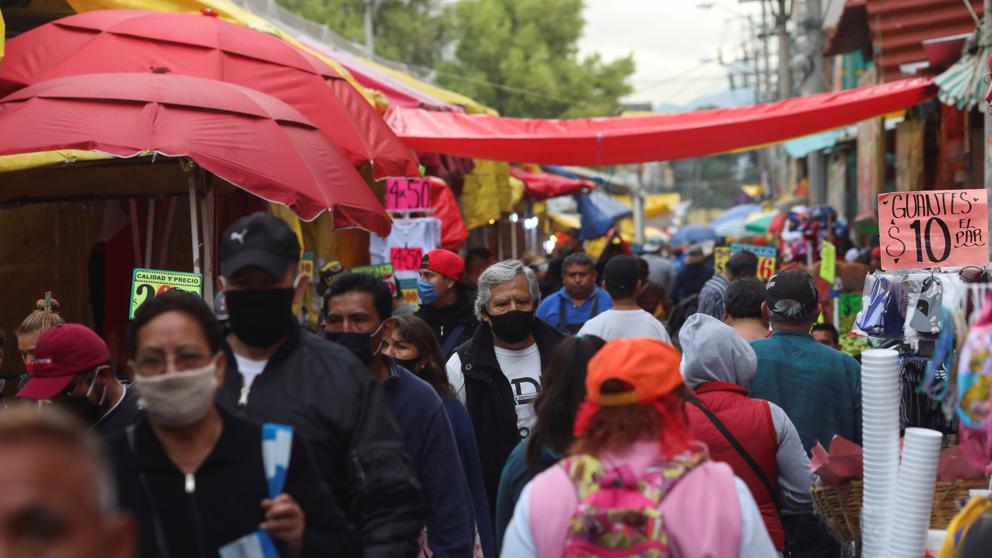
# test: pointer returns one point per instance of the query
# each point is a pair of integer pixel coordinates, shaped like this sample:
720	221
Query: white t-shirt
523	370
249	369
623	324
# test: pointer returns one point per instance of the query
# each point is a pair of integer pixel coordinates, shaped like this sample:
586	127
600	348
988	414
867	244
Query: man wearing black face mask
497	373
355	313
278	372
71	368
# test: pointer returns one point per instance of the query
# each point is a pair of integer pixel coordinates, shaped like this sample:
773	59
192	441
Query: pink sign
940	228
407	194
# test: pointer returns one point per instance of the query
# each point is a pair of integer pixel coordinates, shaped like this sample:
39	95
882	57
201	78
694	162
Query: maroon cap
62	352
445	262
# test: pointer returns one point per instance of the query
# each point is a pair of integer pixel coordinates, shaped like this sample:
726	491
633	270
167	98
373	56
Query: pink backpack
618	512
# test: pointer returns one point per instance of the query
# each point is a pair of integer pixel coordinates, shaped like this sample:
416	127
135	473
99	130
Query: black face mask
410	363
356	343
512	327
261	317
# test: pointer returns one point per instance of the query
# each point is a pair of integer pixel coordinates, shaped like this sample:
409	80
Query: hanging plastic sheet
662	137
599	213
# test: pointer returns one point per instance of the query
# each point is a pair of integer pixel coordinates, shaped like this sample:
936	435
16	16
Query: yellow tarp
471	107
655	205
2	35
488	193
9	163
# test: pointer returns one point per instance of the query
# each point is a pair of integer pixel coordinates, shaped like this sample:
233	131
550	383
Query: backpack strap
740	450
453	336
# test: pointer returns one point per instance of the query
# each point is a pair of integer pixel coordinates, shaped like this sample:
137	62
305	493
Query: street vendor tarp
543	185
620	140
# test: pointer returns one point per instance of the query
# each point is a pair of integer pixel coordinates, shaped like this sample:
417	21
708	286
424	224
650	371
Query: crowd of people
631	406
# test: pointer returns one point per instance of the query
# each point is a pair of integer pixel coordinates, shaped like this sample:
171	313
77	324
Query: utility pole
369	31
816	162
782	16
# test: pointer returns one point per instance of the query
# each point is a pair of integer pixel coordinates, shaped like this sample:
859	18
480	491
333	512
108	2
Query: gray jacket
713	352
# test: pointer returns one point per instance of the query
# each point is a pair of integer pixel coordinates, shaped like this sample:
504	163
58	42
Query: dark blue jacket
469	453
430	441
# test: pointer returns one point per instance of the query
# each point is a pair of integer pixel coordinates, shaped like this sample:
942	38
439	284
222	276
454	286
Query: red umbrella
248	138
204	46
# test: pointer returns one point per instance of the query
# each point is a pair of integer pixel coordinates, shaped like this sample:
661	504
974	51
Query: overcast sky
671	41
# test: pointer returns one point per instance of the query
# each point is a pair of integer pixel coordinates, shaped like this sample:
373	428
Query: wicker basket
839	507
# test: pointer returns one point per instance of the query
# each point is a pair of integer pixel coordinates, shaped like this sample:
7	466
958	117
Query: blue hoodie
430	443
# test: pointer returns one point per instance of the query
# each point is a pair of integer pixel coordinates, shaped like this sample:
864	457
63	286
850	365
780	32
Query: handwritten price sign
407	194
406	259
767	258
941	228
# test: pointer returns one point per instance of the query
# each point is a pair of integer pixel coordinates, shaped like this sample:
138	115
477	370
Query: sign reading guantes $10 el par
939	228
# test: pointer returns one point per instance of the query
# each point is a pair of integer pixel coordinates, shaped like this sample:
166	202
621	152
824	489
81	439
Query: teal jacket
516	475
817	387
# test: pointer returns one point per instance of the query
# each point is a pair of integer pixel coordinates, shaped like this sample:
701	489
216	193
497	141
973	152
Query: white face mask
178	398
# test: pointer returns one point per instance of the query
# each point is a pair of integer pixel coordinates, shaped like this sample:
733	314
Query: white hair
498	274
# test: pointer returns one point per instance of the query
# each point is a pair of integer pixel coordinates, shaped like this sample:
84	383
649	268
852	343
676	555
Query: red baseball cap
62	352
445	262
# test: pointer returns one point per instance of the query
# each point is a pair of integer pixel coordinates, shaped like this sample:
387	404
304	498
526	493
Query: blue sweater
469	453
430	442
817	387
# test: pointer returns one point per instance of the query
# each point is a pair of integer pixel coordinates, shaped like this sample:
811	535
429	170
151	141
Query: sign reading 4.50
404	194
940	228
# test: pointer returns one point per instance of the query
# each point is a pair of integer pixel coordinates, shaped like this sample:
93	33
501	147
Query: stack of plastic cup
880	444
914	493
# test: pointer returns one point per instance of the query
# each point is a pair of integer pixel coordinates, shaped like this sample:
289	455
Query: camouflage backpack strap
584	471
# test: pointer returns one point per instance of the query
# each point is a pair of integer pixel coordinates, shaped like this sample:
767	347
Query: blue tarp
599	212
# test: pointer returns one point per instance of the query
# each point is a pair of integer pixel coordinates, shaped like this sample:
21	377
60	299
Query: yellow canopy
2	31
654	204
471	107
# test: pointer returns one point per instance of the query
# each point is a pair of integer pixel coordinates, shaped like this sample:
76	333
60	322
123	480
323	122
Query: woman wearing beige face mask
193	474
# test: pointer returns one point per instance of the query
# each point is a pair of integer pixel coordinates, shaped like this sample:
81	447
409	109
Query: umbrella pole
150	228
194	224
207	220
168	232
135	240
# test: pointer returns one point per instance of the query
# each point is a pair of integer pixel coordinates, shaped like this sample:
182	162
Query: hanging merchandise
974	390
925	315
445	206
404	248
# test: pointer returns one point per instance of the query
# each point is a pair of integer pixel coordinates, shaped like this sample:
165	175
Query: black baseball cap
621	275
791	295
258	240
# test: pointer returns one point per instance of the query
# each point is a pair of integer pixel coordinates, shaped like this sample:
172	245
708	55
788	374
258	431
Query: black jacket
459	317
226	497
333	402
490	402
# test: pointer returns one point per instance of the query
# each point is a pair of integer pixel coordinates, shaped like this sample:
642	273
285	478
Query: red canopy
543	185
204	46
620	140
250	139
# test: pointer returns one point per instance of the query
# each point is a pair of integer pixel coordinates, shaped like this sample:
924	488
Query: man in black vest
497	373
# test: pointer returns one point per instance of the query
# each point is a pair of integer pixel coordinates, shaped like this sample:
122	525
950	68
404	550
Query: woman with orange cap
636	483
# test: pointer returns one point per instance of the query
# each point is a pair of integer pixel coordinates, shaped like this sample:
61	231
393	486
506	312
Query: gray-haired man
497	373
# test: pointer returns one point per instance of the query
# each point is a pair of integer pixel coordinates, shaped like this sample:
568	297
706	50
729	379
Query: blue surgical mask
426	292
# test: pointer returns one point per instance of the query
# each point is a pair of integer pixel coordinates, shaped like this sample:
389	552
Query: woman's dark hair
563	387
415	331
177	301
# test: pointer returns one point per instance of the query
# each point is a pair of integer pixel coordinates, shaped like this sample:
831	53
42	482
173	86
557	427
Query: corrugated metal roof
851	32
898	28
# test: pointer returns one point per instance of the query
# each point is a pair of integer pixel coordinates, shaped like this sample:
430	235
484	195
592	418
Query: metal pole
194	223
207	221
637	204
784	50
816	164
369	31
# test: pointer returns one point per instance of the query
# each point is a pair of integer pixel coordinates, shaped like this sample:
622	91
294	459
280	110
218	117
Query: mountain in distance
720	99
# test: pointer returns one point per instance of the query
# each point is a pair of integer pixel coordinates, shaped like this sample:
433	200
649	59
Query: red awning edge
663	137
